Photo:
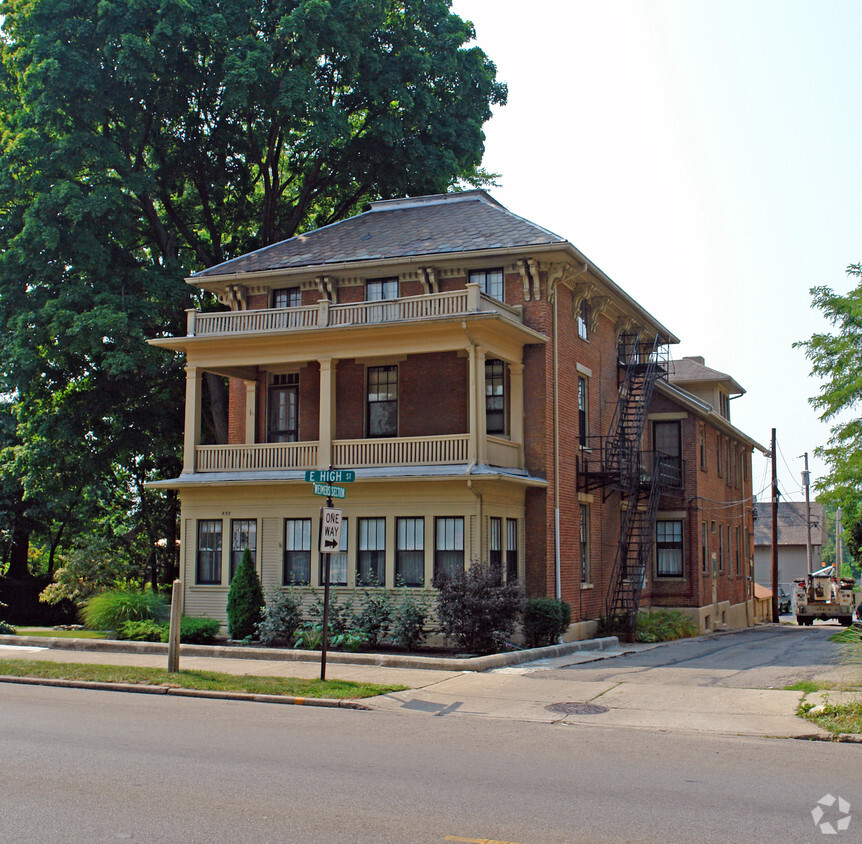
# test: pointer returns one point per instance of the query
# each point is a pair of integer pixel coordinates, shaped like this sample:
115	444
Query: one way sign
330	530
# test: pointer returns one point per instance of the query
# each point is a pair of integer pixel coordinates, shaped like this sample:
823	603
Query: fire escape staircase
623	468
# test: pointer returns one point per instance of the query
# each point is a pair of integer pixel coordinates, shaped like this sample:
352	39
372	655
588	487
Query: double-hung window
584	543
297	552
511	550
495	397
668	540
449	546
382	401
584	320
495	546
286	297
371	553
704	548
283	414
583	410
410	552
490	282
243	534
208	569
668	445
381	290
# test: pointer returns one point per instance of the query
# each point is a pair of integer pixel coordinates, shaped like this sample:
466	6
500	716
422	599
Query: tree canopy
142	140
836	358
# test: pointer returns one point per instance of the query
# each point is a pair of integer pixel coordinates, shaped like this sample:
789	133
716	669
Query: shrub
7	629
475	611
408	620
340	619
663	626
196	631
375	614
545	621
146	630
244	599
109	610
281	618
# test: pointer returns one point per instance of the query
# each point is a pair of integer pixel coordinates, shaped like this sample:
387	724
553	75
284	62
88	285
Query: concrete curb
475	663
136	688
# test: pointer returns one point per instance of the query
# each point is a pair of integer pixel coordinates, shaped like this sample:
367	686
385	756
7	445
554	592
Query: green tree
836	359
146	139
245	600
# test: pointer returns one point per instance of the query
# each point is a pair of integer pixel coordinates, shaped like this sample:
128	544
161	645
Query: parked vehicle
824	595
784	602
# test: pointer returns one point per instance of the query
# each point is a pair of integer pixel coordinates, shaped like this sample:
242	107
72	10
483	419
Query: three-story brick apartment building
492	390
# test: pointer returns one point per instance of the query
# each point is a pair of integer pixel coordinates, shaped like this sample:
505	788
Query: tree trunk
18	568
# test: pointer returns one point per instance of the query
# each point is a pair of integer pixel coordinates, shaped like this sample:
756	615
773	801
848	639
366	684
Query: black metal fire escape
625	468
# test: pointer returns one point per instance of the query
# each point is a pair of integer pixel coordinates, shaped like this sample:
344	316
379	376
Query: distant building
792	539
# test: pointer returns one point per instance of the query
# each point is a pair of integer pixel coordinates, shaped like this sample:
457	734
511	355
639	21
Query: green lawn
203	680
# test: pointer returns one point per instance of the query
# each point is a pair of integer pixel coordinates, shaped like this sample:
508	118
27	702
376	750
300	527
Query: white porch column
516	408
192	431
327	412
250	412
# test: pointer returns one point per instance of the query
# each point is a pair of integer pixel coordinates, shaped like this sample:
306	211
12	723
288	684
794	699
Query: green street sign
330	491
330	476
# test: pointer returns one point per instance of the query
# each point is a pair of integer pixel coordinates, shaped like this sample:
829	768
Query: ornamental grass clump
110	610
245	600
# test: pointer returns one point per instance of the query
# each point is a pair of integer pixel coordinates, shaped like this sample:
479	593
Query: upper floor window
702	445
668	541
584	320
667	443
382	404
286	297
380	289
495	397
490	282
583	410
724	405
283	410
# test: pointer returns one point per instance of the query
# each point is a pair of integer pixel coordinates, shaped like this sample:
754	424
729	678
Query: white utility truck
824	595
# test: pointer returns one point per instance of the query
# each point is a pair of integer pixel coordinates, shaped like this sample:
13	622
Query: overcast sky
706	155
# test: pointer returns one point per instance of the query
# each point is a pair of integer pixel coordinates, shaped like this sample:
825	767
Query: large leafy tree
145	139
836	359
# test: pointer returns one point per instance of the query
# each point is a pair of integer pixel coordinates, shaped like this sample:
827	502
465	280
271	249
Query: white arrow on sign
330	530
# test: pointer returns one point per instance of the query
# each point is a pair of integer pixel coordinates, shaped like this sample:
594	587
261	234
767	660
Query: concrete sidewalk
510	693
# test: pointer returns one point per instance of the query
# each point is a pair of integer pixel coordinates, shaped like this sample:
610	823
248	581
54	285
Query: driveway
770	657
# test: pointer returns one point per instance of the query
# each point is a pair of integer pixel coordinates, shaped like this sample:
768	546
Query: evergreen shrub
244	599
545	621
408	620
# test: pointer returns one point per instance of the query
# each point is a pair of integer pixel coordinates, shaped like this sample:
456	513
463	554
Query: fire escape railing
622	468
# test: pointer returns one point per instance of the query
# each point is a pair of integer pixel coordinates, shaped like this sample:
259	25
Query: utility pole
774	532
806	482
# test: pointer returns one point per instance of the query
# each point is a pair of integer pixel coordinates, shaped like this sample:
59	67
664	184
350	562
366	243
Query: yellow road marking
477	840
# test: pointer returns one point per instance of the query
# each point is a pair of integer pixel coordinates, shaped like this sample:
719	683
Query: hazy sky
704	154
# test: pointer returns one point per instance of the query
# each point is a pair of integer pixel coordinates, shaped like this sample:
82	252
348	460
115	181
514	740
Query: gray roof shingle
457	222
791	523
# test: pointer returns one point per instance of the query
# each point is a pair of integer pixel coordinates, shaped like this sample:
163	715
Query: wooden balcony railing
353	454
327	315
